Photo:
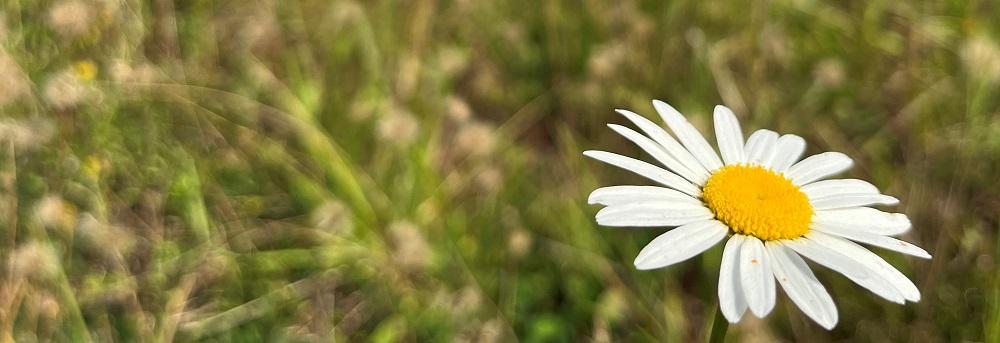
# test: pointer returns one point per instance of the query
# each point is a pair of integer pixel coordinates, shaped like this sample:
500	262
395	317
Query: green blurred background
311	171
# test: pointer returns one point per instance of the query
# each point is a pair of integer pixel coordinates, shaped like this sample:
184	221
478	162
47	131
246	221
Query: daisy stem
719	327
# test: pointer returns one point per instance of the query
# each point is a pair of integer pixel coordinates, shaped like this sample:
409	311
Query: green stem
719	327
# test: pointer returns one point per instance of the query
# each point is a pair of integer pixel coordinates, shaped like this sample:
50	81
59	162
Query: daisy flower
773	208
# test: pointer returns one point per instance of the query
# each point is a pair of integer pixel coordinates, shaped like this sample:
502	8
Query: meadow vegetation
308	171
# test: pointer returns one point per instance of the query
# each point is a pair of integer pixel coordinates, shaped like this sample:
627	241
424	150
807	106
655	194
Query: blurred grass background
222	170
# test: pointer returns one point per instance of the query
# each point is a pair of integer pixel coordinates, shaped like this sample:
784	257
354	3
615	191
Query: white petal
787	151
646	170
761	147
851	200
818	166
653	213
826	257
864	219
876	264
696	173
680	244
871	280
652	148
622	195
689	136
802	286
729	135
875	239
732	303
846	263
828	188
756	277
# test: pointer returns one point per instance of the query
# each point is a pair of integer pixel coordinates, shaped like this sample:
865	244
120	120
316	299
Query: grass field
312	171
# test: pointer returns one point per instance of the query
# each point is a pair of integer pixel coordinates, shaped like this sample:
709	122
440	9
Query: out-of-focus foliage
315	170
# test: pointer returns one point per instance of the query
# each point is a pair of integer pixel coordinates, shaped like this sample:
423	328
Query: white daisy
773	208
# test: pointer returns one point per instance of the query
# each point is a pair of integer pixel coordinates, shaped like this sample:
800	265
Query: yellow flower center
85	70
756	201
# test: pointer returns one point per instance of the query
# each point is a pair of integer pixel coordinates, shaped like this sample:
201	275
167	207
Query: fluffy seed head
829	73
34	260
412	250
398	127
71	18
475	139
65	90
458	109
519	242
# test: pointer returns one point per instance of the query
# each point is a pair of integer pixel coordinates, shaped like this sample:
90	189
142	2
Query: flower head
773	208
